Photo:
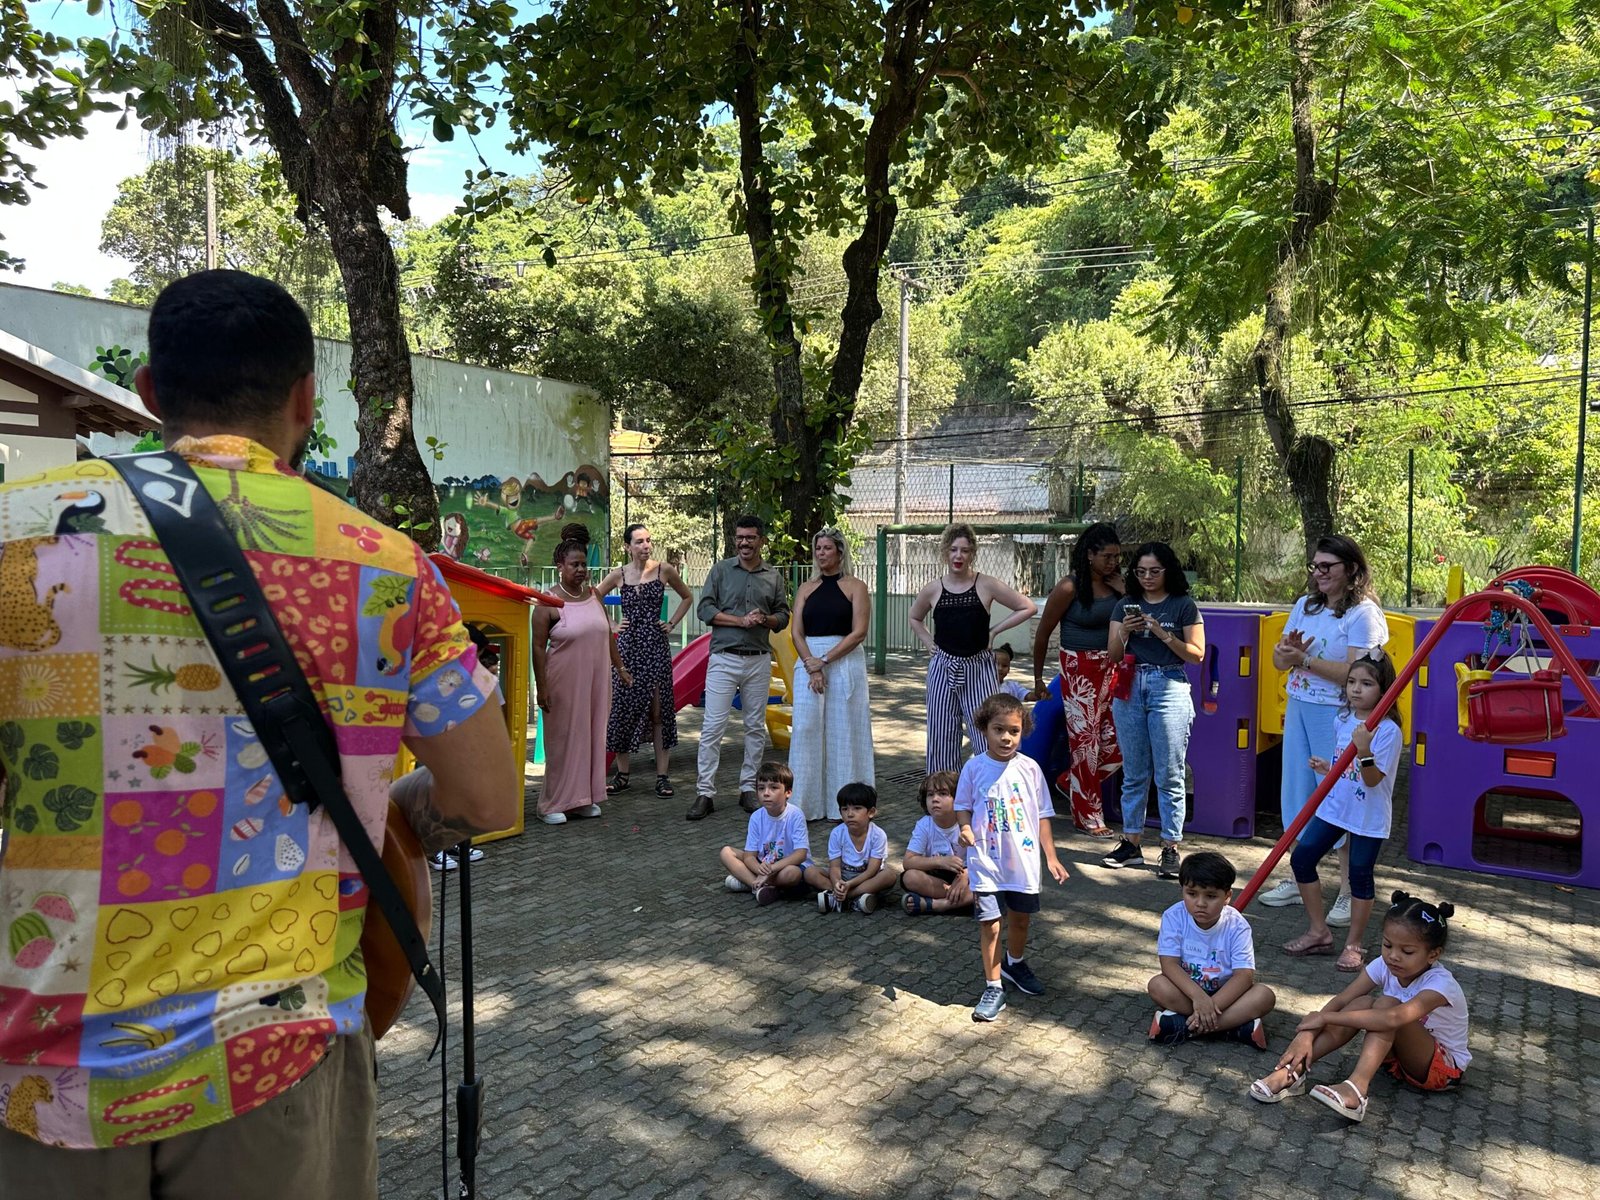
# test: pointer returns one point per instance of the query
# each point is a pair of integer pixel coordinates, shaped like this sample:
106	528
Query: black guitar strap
243	632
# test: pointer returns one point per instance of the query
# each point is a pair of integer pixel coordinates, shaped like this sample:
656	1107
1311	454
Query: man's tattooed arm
413	795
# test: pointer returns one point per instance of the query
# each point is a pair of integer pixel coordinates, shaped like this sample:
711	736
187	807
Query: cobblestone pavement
645	1034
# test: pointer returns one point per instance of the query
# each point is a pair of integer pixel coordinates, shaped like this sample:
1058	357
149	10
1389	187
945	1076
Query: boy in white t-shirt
858	851
777	848
935	875
1004	810
1207	983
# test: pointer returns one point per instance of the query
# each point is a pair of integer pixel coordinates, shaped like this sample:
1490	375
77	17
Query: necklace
584	595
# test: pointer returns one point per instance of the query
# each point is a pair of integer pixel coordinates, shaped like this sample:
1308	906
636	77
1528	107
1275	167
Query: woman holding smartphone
1159	624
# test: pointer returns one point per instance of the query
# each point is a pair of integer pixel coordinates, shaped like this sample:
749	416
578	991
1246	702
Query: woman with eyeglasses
1081	605
830	741
1335	622
961	670
1159	624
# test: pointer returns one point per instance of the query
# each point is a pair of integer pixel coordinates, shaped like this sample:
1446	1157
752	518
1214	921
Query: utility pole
211	219
1583	397
902	449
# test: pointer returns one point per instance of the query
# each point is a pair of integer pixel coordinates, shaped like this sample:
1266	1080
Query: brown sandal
1303	946
1350	960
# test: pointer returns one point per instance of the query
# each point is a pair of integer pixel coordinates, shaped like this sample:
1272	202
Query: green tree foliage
828	100
158	223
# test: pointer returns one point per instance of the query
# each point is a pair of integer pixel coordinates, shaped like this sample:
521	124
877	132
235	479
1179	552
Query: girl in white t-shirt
1357	810
1416	1028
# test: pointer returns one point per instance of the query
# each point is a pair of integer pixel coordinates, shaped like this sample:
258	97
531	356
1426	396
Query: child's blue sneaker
991	1004
1020	976
1169	1028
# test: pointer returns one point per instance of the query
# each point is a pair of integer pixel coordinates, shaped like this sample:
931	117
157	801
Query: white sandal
1295	1087
1325	1094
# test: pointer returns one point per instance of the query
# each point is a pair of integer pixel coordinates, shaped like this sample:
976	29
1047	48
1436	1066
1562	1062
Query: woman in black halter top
830	741
961	674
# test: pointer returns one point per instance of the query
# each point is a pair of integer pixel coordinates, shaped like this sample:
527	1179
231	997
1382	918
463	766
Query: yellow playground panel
780	700
1272	684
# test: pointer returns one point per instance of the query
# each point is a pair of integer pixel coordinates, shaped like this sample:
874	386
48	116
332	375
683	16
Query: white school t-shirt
1211	956
1363	627
930	840
771	838
1448	1022
841	846
1351	804
1007	800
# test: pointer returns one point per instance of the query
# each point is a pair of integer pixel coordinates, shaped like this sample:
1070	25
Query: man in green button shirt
744	600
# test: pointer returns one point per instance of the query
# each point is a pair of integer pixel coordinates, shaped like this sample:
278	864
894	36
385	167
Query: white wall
493	422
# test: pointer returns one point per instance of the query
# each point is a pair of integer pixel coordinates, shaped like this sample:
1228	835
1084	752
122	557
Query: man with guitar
182	990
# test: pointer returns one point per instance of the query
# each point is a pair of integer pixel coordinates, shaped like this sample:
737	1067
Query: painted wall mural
502	524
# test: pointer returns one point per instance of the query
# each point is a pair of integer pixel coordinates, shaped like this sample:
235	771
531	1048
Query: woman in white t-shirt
1416	1028
1336	622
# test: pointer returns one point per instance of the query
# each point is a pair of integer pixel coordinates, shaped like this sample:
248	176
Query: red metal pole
1552	639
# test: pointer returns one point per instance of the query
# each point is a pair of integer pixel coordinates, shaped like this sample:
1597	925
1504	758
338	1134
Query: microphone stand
469	1092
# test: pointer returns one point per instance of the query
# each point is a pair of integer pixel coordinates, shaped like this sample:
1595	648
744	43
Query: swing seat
1510	711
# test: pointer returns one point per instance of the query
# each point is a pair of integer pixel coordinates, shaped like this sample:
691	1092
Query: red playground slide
689	672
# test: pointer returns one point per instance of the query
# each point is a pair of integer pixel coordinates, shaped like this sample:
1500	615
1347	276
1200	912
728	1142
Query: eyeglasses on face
1322	568
1149	572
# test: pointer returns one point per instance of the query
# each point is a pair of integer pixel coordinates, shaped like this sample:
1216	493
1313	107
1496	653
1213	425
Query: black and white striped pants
956	689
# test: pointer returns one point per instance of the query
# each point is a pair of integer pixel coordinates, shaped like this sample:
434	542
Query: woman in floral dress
644	711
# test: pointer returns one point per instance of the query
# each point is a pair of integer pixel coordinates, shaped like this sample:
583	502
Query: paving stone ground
645	1034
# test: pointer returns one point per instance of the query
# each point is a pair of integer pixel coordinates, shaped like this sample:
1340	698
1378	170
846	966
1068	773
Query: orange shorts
1441	1075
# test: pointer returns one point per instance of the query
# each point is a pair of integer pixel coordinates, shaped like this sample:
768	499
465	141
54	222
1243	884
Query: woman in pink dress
573	654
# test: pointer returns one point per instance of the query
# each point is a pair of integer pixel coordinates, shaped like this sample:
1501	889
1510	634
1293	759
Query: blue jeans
1153	730
1318	837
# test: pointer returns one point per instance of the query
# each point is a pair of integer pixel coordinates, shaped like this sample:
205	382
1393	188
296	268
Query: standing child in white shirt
777	848
1359	806
1207	983
1416	1027
935	875
1004	810
858	852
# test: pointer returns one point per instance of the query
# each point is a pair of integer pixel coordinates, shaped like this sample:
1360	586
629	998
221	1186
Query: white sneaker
865	904
592	811
1339	914
1282	895
553	818
735	884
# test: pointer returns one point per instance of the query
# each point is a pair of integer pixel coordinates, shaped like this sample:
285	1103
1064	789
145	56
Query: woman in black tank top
830	740
1080	606
961	674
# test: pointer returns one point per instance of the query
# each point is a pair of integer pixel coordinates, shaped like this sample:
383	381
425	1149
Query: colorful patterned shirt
182	942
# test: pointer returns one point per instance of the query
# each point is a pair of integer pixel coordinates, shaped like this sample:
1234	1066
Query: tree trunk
1307	460
339	154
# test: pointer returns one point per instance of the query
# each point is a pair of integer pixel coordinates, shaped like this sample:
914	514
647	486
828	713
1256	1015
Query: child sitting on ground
858	851
1207	983
1003	654
1416	1028
777	848
935	876
1004	810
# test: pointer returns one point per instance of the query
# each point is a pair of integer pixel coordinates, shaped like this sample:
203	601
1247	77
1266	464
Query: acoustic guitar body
389	979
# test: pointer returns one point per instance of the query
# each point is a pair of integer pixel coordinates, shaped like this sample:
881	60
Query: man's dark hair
226	347
751	521
1207	869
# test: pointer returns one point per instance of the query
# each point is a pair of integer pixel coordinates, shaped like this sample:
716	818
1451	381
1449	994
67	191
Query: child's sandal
617	783
1330	1096
916	905
1295	1087
663	786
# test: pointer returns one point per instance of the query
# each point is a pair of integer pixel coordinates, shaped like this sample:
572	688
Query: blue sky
58	233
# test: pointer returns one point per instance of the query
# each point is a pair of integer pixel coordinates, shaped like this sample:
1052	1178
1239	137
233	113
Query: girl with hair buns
1415	1027
831	741
961	671
1081	605
644	712
572	650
